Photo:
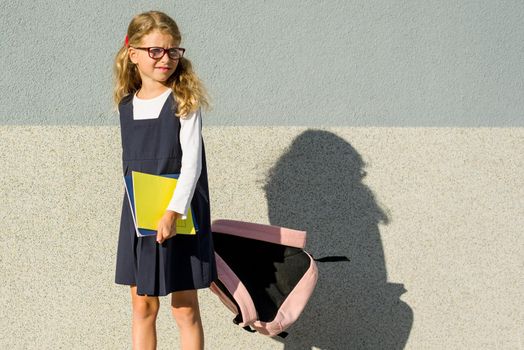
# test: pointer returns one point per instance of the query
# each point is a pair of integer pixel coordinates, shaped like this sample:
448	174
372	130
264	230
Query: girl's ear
132	54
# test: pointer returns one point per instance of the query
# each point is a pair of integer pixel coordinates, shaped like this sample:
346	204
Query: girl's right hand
167	226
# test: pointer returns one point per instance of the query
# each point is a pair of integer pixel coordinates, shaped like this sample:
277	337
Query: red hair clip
127	41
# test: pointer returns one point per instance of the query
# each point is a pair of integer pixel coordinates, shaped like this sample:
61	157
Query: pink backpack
265	277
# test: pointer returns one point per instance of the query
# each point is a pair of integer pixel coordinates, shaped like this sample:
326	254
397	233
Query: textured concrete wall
431	219
391	131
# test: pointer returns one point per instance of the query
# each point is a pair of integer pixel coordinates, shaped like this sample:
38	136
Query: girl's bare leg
186	311
145	310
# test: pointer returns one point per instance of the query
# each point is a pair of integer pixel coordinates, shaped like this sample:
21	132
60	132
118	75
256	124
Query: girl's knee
144	306
145	309
186	316
185	308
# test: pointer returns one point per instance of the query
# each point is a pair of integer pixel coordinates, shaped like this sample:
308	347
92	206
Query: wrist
173	214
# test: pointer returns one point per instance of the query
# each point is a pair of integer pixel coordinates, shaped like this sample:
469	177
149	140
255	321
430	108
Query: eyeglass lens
157	52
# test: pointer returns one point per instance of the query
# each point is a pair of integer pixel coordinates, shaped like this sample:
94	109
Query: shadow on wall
317	186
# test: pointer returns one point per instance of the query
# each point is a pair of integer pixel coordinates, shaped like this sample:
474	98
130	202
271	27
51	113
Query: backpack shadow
317	186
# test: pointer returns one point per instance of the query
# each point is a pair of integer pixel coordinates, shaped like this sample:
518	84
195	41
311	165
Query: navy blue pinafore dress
181	262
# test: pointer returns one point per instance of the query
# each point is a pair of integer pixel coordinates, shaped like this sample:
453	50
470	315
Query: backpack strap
331	258
261	232
233	284
251	330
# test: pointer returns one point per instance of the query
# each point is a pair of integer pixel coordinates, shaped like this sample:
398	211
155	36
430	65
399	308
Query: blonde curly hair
188	90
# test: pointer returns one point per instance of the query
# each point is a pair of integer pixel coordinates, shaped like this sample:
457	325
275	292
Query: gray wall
308	63
405	153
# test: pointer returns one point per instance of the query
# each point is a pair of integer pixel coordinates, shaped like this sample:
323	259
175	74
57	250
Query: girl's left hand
167	226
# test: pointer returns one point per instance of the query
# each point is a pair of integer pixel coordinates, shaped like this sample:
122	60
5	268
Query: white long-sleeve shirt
191	143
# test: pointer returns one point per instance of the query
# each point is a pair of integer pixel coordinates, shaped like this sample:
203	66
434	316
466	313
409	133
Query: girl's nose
165	58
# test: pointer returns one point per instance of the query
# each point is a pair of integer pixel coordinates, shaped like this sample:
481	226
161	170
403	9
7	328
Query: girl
159	100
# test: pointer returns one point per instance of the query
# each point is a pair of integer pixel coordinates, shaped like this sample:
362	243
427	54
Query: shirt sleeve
191	143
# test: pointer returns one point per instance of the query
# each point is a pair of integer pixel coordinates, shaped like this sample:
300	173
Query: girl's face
154	71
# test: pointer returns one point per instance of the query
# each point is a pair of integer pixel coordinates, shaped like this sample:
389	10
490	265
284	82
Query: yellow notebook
152	194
